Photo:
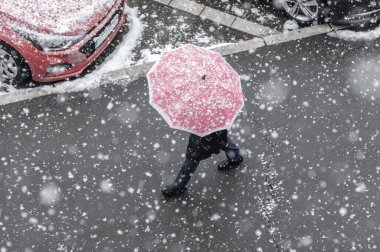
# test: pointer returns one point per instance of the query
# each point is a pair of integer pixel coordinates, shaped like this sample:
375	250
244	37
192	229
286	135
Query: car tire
306	12
13	68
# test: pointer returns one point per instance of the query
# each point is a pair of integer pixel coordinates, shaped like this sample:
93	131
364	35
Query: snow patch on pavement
262	17
155	45
356	35
122	57
290	25
5	88
249	10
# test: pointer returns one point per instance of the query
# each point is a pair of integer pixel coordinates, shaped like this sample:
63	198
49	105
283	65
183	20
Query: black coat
200	148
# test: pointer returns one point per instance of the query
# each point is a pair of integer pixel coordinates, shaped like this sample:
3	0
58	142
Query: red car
51	40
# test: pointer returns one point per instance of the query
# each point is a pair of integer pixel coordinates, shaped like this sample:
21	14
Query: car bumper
372	17
358	15
59	65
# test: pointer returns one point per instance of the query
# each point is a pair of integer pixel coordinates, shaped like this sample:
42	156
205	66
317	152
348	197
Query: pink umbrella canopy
195	90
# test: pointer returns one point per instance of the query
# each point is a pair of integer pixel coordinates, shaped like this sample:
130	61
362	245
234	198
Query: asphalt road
101	166
83	171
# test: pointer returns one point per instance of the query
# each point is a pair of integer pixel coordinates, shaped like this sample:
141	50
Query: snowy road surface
82	171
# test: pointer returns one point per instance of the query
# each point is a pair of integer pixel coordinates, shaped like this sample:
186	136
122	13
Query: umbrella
195	90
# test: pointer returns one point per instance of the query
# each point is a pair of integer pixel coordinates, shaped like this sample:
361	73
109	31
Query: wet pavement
83	171
322	107
167	28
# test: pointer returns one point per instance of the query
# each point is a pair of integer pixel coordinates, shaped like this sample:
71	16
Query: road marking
188	6
297	34
138	70
218	16
22	95
240	46
166	2
115	75
252	28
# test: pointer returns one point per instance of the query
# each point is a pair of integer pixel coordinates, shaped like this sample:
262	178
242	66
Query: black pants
190	165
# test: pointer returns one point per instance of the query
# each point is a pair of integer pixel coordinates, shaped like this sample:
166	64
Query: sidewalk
309	182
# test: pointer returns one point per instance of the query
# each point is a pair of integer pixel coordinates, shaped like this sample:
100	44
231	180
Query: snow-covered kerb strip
349	35
219	17
298	34
138	70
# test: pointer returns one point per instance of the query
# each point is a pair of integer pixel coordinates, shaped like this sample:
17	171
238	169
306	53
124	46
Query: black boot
229	164
173	190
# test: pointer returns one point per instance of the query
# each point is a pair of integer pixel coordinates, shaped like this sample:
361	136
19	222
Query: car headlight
48	42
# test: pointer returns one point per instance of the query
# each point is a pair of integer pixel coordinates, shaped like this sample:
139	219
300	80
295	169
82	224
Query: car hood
68	17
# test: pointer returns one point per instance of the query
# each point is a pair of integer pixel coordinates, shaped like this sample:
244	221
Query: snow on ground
290	25
356	35
5	89
171	33
262	18
246	8
122	57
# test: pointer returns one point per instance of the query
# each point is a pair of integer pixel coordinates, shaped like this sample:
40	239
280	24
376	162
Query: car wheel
304	11
13	68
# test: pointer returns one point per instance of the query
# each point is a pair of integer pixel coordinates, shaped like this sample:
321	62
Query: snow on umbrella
195	90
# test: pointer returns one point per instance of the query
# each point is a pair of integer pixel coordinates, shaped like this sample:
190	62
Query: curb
219	17
138	70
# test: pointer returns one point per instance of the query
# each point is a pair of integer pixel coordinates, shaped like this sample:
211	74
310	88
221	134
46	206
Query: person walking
198	149
198	91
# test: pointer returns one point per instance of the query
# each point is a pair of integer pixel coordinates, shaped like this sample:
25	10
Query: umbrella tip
203	77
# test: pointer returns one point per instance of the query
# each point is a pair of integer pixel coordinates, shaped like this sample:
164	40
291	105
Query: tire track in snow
272	189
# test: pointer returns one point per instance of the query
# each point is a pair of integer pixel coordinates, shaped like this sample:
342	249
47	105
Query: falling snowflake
106	186
50	194
215	217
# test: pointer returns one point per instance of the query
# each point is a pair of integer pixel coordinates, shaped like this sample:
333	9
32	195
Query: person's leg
183	177
234	157
232	152
187	170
